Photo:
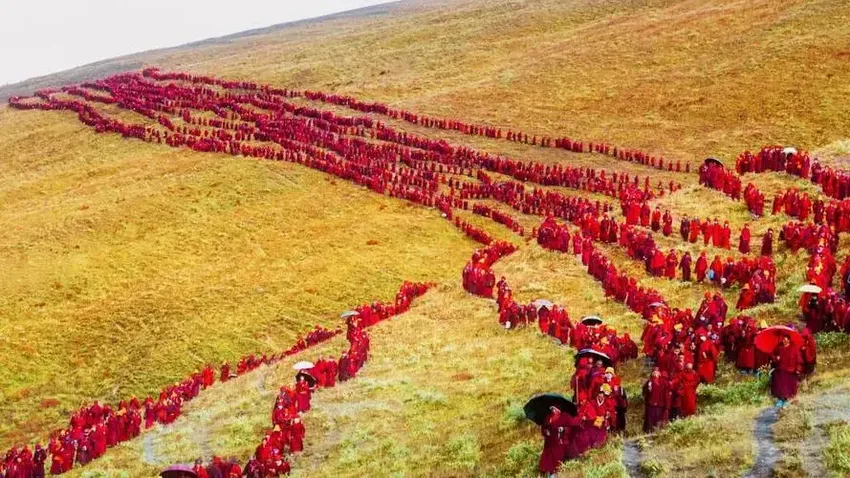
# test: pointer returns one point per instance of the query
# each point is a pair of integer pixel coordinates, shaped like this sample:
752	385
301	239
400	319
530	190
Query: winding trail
768	452
830	407
632	458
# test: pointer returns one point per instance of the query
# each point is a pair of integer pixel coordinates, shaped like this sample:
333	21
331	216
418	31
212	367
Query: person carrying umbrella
555	432
783	344
787	367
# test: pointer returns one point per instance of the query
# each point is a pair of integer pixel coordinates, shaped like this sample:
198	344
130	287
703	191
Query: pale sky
38	37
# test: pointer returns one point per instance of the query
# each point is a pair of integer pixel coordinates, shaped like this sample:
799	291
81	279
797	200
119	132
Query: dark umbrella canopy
767	340
537	409
712	159
178	471
591	320
307	377
594	355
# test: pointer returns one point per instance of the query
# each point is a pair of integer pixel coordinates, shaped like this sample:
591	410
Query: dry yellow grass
126	265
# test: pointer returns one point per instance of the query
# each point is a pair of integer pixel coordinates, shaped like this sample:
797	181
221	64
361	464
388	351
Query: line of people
834	182
95	428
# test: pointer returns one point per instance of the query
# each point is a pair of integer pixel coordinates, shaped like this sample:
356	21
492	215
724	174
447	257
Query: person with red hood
787	366
657	397
200	470
808	352
747	298
597	415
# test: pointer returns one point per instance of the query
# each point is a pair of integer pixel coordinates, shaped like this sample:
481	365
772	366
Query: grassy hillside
128	265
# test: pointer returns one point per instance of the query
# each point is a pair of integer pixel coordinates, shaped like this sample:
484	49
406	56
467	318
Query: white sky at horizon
39	37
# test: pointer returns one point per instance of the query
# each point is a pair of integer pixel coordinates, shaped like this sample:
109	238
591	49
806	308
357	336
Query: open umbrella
712	159
591	320
789	150
537	408
349	313
178	471
303	365
542	303
311	380
769	338
810	288
658	304
594	355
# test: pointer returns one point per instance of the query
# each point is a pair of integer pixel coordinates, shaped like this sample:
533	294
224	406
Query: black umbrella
594	355
712	159
591	320
311	380
178	471
537	409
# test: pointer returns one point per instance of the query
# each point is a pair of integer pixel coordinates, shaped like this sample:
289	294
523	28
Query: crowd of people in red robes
287	433
834	182
714	175
500	217
478	277
95	428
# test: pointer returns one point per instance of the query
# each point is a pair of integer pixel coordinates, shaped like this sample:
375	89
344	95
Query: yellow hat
609	370
605	388
598	422
677	327
763	324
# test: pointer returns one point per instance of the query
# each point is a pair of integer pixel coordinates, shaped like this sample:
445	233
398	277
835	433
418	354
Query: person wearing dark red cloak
303	393
554	448
767	243
657	396
685	267
701	267
685	384
787	366
671	262
808	352
597	414
744	244
706	358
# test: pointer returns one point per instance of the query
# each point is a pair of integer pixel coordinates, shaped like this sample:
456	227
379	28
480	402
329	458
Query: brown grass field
128	265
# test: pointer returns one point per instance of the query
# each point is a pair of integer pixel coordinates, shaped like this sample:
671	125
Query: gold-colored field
126	266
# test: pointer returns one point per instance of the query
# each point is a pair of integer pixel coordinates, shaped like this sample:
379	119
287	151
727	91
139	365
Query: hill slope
133	264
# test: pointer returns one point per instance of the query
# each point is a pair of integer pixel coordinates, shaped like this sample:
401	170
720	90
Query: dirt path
768	452
830	407
632	457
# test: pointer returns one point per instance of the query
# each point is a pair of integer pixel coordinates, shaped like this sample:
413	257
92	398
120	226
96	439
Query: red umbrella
769	338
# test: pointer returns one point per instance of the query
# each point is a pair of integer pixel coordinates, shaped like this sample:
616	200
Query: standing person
787	366
554	449
657	396
744	244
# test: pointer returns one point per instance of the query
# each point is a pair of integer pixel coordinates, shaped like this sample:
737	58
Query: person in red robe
767	243
747	298
685	384
706	359
672	262
296	437
657	397
303	393
597	414
685	267
787	367
701	267
808	352
744	243
554	447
